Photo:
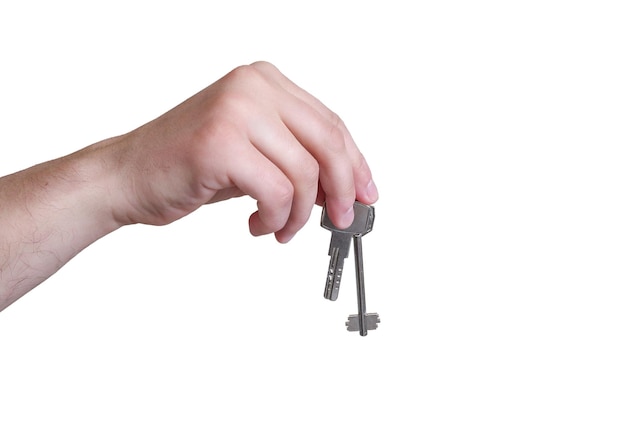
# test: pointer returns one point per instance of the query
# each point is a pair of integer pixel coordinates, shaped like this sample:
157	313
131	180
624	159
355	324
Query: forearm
52	211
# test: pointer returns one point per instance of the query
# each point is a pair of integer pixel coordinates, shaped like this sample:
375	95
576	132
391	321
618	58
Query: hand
253	132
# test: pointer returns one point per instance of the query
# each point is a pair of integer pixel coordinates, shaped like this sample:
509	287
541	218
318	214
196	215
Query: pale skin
253	132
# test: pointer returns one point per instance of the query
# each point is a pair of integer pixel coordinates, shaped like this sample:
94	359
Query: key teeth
371	321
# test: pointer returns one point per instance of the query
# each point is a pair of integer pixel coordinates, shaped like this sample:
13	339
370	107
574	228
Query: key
340	244
363	321
338	252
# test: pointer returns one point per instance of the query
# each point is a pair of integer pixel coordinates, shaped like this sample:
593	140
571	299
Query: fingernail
371	191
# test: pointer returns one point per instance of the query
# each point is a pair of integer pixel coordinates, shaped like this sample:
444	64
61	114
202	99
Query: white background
496	134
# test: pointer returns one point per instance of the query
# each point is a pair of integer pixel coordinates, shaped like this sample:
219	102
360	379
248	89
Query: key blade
341	243
338	251
371	322
333	279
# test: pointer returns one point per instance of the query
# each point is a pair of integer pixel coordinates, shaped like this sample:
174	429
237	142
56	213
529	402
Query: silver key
339	250
363	321
340	244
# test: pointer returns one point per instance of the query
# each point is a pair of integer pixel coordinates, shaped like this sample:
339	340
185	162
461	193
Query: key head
362	224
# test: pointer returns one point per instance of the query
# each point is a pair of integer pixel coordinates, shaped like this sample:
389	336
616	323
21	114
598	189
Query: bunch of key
339	250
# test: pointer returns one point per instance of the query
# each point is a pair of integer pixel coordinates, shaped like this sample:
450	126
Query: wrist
100	198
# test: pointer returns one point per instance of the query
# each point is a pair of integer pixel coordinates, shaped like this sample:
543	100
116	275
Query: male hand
253	132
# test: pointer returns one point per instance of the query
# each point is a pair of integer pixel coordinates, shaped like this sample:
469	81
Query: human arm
253	132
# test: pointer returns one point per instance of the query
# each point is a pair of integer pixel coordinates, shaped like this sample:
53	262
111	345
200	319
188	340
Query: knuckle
249	75
309	173
361	164
264	66
335	136
277	213
282	195
243	71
